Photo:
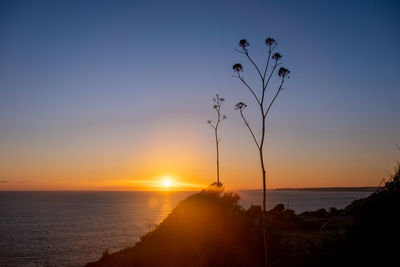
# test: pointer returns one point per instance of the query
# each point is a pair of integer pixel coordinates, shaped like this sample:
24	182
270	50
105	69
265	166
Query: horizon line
333	188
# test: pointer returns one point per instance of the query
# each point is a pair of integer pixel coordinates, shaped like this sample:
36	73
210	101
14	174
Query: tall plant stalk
217	106
265	75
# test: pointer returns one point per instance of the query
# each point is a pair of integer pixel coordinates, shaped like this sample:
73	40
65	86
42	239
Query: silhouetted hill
209	228
206	229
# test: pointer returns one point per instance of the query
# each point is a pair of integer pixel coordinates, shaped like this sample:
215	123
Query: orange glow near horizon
186	157
157	183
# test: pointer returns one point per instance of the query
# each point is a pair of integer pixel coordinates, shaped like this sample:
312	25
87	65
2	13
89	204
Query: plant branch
255	65
251	90
273	100
266	67
239	51
248	126
212	126
272	72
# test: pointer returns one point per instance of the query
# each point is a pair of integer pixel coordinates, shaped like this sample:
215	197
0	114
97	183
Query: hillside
209	228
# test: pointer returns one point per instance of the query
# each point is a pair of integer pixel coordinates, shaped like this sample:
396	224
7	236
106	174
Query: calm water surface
73	228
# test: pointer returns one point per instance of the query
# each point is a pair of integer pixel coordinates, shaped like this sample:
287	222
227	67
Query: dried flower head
240	106
224	117
270	41
283	72
215	106
209	121
243	43
237	67
277	56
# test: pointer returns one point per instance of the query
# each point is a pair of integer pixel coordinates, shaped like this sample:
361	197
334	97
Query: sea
73	228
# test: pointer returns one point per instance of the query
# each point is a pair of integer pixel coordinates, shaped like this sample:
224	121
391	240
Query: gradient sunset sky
115	95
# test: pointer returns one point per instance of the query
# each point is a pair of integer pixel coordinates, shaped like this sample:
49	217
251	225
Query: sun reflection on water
165	208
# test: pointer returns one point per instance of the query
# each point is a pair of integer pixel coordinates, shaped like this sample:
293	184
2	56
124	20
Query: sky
115	95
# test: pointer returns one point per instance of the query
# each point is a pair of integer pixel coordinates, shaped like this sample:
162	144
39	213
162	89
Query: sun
167	182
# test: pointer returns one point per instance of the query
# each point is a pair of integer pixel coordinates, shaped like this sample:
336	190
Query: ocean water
73	228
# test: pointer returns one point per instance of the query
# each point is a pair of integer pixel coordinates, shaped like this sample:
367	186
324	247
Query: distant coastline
331	189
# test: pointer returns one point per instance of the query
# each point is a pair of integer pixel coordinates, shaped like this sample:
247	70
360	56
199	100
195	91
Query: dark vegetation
332	189
210	229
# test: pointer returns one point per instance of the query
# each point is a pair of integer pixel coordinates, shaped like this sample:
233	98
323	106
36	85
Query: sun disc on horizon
167	182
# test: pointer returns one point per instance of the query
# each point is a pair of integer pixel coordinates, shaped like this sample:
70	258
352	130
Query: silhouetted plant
265	106
394	181
217	106
237	67
278	208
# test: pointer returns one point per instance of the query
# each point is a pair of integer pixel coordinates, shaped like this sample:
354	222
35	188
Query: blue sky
89	83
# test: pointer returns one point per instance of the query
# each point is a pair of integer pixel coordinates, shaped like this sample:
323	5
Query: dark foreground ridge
332	189
209	228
